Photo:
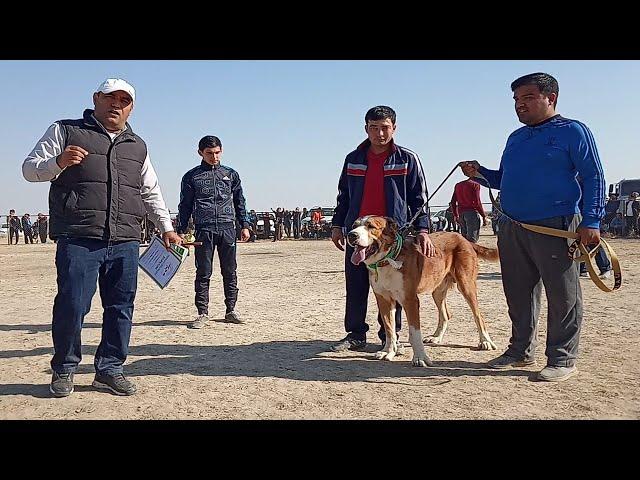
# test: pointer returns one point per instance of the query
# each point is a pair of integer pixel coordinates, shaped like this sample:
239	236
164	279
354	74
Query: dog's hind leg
468	289
387	308
440	298
412	309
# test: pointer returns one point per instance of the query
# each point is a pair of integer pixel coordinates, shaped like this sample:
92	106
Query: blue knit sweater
539	169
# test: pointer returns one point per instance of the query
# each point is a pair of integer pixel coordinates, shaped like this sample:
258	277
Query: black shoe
115	383
61	384
349	343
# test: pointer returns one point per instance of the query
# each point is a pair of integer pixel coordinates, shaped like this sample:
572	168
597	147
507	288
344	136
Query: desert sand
277	365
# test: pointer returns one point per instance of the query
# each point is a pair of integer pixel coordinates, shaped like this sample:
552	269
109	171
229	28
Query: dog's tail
490	254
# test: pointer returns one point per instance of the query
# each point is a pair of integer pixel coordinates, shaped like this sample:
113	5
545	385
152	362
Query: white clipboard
162	264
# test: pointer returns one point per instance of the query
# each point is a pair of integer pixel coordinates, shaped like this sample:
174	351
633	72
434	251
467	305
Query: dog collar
392	254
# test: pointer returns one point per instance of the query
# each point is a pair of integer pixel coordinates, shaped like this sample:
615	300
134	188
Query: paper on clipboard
162	264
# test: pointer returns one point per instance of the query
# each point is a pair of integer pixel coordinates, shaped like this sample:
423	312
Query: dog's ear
391	227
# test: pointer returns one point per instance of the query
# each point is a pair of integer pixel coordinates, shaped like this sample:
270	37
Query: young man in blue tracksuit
544	159
378	178
212	193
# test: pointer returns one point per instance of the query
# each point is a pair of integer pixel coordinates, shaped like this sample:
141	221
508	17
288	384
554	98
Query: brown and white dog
411	273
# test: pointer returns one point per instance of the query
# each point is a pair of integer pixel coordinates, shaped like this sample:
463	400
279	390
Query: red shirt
466	196
373	202
316	217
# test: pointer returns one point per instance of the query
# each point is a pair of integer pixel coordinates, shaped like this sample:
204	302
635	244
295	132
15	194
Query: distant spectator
279	213
632	211
15	226
452	226
253	219
266	218
611	208
616	226
316	216
27	228
297	218
467	209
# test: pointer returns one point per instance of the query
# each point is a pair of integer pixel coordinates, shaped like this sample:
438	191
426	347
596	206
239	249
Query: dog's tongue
358	255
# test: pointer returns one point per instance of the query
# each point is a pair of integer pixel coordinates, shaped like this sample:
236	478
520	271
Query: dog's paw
384	355
432	340
380	355
487	344
421	361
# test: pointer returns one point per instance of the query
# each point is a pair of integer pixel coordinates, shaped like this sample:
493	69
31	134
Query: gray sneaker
552	373
200	322
232	317
61	384
117	383
504	362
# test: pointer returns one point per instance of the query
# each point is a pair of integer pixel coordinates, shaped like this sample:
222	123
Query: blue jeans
80	263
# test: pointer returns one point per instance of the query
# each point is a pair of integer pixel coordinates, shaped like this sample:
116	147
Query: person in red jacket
467	209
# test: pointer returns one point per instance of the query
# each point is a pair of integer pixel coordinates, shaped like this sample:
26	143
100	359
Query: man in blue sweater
543	159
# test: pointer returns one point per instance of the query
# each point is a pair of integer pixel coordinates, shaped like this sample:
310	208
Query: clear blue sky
286	126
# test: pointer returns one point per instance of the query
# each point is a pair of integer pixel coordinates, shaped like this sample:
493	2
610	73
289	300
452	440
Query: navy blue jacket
405	187
213	195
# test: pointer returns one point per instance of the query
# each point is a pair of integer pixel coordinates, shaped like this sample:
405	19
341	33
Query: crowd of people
35	231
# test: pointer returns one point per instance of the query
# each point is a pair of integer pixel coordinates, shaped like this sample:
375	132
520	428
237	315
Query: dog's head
371	238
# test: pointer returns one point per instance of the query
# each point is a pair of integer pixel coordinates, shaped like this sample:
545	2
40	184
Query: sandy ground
277	365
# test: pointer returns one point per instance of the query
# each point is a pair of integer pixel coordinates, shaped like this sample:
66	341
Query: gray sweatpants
530	260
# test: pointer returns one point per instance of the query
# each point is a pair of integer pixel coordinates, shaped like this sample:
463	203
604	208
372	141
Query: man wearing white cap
102	184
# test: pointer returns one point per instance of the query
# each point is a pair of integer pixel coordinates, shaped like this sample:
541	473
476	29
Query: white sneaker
605	275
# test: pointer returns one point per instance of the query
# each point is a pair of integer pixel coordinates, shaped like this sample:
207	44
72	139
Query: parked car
260	225
4	229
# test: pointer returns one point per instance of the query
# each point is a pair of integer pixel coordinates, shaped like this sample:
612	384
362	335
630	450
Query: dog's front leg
387	307
412	308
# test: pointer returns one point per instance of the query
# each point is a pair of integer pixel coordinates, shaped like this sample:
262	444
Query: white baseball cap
113	84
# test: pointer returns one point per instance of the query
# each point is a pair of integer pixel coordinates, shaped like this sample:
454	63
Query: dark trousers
28	235
451	224
357	283
79	263
530	260
631	225
43	236
470	223
225	240
278	233
608	217
296	229
12	232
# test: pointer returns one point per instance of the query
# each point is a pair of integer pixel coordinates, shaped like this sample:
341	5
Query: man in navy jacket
378	178
211	193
